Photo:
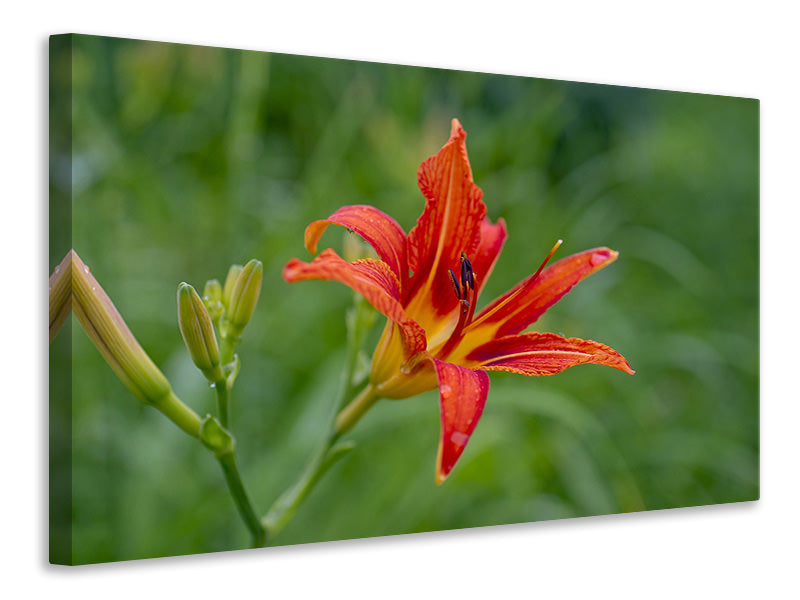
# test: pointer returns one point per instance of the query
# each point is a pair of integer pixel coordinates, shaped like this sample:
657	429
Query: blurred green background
186	159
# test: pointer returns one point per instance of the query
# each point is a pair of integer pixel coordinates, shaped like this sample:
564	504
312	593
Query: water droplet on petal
213	385
85	268
459	438
597	258
445	389
57	269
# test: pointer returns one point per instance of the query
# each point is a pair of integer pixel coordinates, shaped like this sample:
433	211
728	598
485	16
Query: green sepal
215	437
231	370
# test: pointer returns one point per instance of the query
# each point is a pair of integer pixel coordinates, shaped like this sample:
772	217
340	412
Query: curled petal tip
456	130
628	369
603	256
312	234
289	270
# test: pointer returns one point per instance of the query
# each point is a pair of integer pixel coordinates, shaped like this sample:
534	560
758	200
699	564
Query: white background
730	48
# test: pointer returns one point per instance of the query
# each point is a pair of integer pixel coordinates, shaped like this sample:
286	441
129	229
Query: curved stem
234	480
283	509
286	505
352	413
180	414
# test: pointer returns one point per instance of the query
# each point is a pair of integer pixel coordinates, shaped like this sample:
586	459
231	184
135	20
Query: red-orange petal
543	354
371	278
462	396
449	225
528	300
380	230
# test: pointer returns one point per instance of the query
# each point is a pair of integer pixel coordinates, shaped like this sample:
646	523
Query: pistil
521	288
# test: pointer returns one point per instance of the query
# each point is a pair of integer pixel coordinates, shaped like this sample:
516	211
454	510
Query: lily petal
380	230
371	278
529	299
543	354
462	396
449	225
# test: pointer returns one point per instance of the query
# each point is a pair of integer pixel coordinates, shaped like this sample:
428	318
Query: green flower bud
105	327
230	281
109	333
244	296
215	437
212	297
198	332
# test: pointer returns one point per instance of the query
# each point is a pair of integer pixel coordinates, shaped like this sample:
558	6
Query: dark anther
454	281
467	274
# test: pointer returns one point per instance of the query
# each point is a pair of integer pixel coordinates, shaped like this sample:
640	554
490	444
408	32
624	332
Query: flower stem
227	346
358	322
180	414
283	509
221	387
352	413
227	461
286	505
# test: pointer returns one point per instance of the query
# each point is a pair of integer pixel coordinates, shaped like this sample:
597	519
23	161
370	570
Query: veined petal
485	256
371	278
528	300
543	354
380	230
449	225
462	396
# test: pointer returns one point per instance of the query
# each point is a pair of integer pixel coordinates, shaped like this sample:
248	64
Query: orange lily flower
427	283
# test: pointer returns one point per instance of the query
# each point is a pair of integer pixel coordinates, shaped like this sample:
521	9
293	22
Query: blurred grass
186	159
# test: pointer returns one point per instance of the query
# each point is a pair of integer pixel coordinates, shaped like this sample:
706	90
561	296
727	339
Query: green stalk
226	348
352	413
234	480
284	508
221	388
180	414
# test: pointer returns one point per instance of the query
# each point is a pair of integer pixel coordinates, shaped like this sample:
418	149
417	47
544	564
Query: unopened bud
230	281
212	297
109	333
244	296
198	332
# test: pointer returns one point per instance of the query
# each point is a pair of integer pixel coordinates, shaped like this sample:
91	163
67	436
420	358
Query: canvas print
298	299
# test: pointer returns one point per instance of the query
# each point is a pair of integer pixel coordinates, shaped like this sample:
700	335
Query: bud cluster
229	308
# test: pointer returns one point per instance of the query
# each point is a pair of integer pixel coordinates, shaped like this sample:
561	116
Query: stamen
467	273
454	281
529	282
466	295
